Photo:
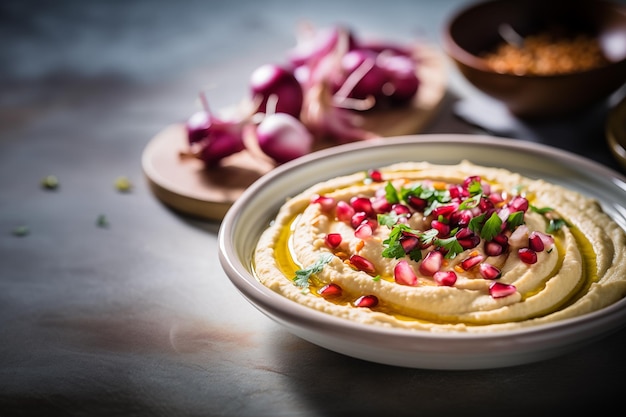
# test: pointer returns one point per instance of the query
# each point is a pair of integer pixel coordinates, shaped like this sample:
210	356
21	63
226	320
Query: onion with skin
225	139
370	76
273	80
331	77
403	82
210	138
282	137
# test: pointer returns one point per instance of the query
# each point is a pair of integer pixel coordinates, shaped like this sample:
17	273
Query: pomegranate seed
417	203
375	175
366	301
461	218
445	278
362	204
518	203
485	204
401	209
333	240
548	240
496	198
358	218
330	290
431	263
445	210
499	289
326	203
363	231
403	274
535	242
381	205
472	261
493	248
362	264
489	271
441	227
455	191
528	256
467	239
344	212
409	242
502	240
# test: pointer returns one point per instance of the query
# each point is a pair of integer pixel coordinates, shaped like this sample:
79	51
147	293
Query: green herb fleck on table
123	184
50	182
102	221
21	231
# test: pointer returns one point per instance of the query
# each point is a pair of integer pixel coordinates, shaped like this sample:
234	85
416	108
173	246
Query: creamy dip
444	248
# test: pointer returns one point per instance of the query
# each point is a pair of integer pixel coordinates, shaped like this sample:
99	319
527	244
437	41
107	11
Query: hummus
459	247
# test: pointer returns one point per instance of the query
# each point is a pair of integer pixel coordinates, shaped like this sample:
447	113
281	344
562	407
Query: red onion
211	139
282	137
197	126
363	76
403	82
275	82
221	142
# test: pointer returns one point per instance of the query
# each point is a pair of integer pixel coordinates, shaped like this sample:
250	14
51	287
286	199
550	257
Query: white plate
253	211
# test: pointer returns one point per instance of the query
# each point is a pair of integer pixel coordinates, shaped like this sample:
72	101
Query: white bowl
251	213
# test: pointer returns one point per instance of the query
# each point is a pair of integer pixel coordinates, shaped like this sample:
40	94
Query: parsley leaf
391	194
542	210
555	225
452	246
389	219
476	223
491	227
302	278
475	188
515	219
394	248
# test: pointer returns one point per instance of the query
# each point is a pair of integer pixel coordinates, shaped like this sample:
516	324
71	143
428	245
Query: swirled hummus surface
444	248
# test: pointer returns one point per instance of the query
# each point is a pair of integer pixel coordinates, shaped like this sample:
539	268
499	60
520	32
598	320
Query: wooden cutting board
185	185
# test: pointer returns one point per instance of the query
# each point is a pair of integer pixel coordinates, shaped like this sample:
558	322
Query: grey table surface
138	318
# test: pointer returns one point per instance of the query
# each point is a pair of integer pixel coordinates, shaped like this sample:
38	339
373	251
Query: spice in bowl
546	53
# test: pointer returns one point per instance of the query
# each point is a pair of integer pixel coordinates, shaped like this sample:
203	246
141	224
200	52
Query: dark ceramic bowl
476	29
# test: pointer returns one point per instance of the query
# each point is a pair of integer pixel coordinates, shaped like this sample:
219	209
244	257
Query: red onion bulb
282	137
273	81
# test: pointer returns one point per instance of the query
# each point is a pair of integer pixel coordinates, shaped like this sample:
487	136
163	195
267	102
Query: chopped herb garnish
303	276
451	245
21	231
475	188
542	210
555	223
50	182
394	248
471	202
102	221
391	193
123	184
376	278
515	219
476	223
492	227
389	219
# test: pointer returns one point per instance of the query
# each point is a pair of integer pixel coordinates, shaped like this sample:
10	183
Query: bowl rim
288	311
477	63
